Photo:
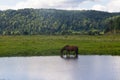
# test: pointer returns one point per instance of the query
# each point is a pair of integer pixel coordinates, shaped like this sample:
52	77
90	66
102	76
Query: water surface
56	68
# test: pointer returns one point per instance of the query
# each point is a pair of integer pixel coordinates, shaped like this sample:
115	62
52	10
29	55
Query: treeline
51	21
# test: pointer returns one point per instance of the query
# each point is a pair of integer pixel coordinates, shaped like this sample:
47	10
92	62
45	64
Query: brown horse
69	49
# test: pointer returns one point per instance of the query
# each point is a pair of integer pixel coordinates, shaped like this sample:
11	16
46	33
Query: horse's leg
66	53
76	53
69	54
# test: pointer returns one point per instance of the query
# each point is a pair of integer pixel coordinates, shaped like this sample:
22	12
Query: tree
113	24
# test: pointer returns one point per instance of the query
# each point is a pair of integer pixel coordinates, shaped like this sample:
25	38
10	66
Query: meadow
50	45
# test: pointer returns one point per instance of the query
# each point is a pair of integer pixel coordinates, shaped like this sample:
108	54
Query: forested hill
51	21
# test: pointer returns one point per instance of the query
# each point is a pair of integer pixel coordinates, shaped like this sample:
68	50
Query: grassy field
43	45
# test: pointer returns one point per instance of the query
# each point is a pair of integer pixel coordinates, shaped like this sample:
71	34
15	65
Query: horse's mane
66	46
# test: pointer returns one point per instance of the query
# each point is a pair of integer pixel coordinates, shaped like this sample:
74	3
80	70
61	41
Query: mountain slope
51	21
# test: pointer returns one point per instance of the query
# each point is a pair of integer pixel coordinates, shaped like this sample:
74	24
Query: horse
69	49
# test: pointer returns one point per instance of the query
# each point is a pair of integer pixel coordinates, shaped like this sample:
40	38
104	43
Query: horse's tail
76	51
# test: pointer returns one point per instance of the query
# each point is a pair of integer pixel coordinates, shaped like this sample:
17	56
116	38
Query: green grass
43	45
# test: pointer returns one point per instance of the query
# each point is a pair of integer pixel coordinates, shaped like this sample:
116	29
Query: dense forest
52	21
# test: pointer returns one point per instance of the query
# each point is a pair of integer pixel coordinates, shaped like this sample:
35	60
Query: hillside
51	21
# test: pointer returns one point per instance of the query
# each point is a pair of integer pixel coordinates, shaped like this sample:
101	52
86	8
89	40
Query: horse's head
64	48
62	51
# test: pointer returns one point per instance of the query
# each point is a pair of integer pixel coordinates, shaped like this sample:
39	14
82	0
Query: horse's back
72	48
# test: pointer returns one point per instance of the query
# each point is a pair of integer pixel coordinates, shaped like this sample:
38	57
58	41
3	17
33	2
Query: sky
101	5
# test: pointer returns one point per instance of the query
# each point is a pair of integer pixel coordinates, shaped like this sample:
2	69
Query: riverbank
46	45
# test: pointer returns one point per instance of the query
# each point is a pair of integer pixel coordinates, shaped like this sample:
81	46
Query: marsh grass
45	45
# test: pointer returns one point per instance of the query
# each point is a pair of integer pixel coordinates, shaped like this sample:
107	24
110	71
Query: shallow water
56	68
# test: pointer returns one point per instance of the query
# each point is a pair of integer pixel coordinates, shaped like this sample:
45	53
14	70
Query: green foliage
113	24
51	21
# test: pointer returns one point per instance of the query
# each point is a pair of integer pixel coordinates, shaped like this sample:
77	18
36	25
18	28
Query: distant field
43	45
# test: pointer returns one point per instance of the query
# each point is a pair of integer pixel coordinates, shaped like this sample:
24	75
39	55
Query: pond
57	68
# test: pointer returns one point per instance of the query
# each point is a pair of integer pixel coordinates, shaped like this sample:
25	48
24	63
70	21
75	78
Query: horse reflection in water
68	49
